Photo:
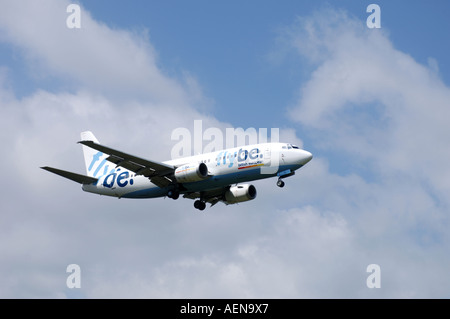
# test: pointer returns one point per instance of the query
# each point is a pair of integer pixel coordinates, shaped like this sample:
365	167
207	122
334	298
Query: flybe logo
120	178
114	177
243	158
95	158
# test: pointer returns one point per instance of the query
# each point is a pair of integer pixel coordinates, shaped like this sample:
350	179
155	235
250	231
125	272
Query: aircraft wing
82	179
157	172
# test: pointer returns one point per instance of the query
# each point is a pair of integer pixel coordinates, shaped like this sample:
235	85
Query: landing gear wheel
199	205
173	194
280	183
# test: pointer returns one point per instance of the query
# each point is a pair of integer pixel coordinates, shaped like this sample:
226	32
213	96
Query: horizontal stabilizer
82	179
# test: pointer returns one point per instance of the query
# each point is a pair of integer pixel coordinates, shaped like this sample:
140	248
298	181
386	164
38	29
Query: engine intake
191	173
240	193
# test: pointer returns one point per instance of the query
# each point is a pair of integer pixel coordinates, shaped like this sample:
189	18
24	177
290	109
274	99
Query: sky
371	104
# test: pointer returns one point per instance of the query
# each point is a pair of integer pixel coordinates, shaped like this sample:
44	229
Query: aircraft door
267	159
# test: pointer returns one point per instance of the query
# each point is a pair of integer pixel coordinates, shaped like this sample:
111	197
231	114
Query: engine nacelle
191	173
240	193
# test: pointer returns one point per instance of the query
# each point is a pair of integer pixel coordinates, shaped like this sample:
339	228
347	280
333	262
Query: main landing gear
174	194
200	205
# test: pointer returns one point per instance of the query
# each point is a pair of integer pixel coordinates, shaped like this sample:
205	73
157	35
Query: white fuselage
230	166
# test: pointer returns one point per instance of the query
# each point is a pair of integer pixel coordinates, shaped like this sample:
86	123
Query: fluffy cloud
117	62
386	116
117	90
372	101
314	238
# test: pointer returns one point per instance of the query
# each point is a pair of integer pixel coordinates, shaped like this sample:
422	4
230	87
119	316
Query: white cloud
47	222
314	238
117	62
377	107
372	101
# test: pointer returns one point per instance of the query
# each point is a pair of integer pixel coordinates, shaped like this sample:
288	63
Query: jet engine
240	193
191	173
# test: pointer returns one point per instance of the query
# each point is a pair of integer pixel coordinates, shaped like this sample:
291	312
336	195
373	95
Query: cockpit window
291	146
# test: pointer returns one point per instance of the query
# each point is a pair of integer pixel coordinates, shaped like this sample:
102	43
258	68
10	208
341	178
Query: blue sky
372	105
215	41
227	45
237	53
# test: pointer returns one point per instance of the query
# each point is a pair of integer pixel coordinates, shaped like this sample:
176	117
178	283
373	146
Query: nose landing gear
280	183
284	174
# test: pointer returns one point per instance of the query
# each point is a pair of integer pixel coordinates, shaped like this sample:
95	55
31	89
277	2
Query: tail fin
96	164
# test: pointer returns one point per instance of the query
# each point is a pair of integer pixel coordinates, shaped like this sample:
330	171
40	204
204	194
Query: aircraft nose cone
308	156
305	157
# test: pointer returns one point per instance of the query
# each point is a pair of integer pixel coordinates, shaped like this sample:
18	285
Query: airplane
214	177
